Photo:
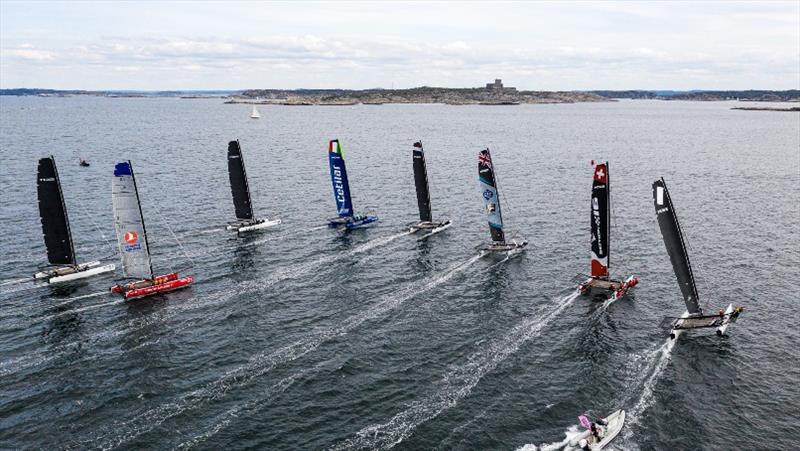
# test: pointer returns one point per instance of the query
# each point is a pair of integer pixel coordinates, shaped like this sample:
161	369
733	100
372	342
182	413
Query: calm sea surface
302	337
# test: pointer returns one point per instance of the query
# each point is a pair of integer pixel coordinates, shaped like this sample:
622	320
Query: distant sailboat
132	240
600	226
341	192
255	114
491	199
241	194
426	222
693	318
55	227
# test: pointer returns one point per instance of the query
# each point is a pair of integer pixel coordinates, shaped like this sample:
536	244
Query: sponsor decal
662	210
131	237
596	216
132	247
660	195
491	208
49	179
488	194
338	185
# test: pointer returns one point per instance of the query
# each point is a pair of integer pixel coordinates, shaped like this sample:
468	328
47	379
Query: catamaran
132	240
255	114
57	234
426	222
491	199
600	227
693	318
245	221
341	192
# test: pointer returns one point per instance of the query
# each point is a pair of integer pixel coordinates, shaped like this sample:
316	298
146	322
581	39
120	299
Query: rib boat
491	200
240	188
56	231
426	222
600	226
341	192
132	241
694	317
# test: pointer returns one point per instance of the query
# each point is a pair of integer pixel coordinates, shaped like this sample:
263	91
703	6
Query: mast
53	214
599	222
491	196
676	246
421	183
239	185
129	223
341	186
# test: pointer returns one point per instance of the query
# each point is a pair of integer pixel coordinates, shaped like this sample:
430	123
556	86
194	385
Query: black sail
239	187
53	213
676	247
421	182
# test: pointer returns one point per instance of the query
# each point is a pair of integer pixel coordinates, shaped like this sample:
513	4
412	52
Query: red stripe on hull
163	284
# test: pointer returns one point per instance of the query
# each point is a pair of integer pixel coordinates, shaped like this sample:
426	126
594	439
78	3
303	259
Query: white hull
69	274
675	333
430	229
263	224
728	312
609	432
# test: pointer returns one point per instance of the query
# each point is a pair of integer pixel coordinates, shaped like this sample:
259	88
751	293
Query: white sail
254	114
131	235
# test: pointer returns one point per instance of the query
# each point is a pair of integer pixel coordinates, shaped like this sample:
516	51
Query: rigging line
166	224
97	228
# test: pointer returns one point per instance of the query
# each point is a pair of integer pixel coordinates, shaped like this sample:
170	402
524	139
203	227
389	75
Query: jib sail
239	186
676	247
600	216
129	223
491	197
421	182
53	213
341	187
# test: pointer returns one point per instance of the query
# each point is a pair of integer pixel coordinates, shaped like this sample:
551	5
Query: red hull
160	284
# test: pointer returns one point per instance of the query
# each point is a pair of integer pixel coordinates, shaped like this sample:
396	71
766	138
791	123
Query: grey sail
129	223
676	246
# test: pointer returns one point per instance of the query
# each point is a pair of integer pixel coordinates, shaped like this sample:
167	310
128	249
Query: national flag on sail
485	159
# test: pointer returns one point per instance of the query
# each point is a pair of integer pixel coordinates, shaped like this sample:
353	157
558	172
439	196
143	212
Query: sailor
595	429
584	444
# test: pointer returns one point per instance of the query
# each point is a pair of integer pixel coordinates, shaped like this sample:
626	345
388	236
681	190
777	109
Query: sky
358	45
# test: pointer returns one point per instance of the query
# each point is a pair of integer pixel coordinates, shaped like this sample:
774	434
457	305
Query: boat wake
14	281
571	432
455	385
261	364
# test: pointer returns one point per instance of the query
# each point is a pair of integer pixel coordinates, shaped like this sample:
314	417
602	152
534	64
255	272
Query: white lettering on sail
338	185
596	214
660	195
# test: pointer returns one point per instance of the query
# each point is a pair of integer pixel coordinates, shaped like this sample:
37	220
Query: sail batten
676	246
421	183
341	186
53	214
600	221
490	194
239	185
129	224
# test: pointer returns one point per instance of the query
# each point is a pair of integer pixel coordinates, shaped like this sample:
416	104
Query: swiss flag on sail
601	173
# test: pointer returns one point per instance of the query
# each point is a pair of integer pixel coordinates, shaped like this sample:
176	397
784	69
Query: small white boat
255	114
607	432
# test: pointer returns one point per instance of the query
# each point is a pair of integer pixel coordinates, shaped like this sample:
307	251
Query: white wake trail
263	363
13	281
455	385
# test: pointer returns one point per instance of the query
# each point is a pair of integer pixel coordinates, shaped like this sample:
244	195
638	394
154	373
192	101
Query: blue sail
341	187
491	197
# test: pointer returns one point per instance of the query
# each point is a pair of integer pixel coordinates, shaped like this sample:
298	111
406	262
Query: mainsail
491	197
676	247
421	182
239	186
341	187
600	216
129	223
53	213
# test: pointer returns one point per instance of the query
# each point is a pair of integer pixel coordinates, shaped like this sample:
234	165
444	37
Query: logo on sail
131	238
488	194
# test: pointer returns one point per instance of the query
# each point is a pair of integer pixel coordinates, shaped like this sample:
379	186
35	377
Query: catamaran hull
431	228
615	421
728	315
509	247
258	225
160	284
350	223
720	322
618	289
67	274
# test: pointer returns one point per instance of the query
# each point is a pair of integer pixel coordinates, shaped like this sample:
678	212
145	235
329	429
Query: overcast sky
540	46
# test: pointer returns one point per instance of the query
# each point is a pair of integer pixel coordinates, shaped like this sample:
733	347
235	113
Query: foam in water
13	281
658	362
569	435
455	385
263	363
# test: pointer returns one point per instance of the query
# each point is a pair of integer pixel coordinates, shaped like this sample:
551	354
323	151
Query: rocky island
492	94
